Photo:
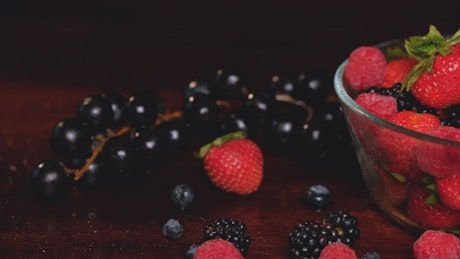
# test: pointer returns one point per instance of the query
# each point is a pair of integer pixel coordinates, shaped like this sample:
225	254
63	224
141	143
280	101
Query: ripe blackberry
230	230
309	238
345	224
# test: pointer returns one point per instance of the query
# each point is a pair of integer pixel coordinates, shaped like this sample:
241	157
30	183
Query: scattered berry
318	197
172	229
436	244
365	68
182	196
217	248
191	251
231	230
233	163
337	250
370	255
309	238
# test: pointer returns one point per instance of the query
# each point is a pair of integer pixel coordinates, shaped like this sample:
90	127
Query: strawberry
365	68
449	191
233	163
440	160
423	208
397	70
398	149
435	80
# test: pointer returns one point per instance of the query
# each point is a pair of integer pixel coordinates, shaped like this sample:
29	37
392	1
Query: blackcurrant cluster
118	138
294	111
111	138
309	238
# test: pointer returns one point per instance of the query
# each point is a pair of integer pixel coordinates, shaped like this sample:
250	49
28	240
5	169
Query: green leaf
432	199
399	177
393	53
219	142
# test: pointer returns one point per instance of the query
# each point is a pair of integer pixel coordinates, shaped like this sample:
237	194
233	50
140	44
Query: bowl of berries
401	100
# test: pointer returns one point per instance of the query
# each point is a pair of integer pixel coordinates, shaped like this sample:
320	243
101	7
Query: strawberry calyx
425	49
219	142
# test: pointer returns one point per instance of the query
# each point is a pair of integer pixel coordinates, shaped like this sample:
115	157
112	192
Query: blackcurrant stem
289	99
98	149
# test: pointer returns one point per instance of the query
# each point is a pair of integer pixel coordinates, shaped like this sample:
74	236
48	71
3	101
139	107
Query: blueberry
191	251
318	197
172	229
182	196
371	255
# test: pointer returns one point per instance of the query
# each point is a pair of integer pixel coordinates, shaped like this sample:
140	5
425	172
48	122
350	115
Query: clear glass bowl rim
348	101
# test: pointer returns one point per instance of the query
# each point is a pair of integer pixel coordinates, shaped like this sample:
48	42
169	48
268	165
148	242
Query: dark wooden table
53	54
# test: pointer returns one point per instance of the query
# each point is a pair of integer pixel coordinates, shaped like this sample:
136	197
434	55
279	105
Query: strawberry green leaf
395	53
219	142
400	178
455	231
432	199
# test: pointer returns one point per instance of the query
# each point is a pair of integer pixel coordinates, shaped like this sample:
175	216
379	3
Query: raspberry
440	160
436	244
338	250
380	105
217	248
365	68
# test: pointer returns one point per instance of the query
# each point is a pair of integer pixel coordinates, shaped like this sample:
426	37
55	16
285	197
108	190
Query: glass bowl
374	137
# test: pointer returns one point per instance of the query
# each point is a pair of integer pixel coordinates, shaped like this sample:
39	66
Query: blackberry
230	230
453	116
309	238
346	224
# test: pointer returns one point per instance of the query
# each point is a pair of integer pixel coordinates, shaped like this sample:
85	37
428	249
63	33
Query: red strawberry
429	215
440	160
434	244
234	163
435	80
397	70
217	249
397	149
449	191
365	68
337	250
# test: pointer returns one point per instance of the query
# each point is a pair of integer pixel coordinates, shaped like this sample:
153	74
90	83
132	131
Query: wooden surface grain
53	54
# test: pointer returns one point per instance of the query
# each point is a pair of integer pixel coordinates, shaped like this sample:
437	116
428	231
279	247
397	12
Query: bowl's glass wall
389	175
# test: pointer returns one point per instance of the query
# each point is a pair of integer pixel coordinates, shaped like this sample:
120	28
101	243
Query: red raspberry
434	244
365	68
396	71
337	250
381	105
440	160
218	249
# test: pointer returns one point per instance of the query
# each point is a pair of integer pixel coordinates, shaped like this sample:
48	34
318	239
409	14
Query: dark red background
52	54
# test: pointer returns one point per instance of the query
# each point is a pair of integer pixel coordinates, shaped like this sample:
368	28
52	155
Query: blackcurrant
287	83
71	138
199	86
230	83
96	111
182	196
200	111
176	136
317	84
49	181
144	107
118	103
146	143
